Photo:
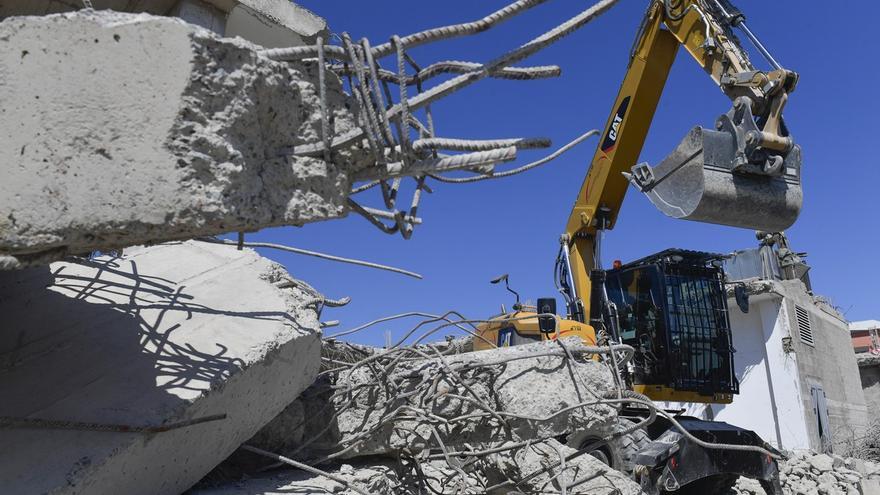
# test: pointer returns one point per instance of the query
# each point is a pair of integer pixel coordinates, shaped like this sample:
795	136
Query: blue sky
474	232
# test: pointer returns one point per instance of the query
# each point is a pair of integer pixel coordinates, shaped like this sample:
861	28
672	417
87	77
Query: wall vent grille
805	330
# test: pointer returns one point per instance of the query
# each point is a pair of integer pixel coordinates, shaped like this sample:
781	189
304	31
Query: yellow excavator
671	307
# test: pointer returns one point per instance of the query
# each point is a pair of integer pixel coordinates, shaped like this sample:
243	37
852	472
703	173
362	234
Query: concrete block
582	474
166	334
370	422
202	14
269	23
869	487
151	129
274	23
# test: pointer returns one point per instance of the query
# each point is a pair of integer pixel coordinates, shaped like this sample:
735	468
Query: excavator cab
672	309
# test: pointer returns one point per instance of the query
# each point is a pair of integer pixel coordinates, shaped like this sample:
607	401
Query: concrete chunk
270	23
369	421
376	477
165	334
582	474
152	129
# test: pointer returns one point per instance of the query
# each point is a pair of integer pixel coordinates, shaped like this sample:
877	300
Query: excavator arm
745	172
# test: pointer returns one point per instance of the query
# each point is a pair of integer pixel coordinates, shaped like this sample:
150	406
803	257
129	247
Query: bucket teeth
703	180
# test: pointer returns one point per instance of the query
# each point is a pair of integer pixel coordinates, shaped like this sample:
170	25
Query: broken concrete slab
487	475
400	412
152	129
272	23
269	23
581	474
165	334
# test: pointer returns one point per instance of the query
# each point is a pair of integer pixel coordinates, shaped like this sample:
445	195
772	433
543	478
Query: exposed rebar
305	467
316	254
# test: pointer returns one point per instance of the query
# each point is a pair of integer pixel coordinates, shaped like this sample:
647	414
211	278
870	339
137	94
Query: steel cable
518	170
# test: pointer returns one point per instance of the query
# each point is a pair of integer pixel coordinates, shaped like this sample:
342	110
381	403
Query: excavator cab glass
671	307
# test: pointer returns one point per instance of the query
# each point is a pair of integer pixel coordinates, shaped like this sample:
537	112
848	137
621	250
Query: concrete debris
378	478
583	474
187	134
820	474
868	359
269	23
166	334
457	423
455	400
189	137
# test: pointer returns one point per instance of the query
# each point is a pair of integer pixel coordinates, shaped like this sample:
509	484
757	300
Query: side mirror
547	305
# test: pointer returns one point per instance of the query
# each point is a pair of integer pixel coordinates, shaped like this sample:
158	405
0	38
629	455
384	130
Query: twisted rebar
387	124
399	398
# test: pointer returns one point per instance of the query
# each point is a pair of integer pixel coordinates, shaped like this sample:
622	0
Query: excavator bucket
707	179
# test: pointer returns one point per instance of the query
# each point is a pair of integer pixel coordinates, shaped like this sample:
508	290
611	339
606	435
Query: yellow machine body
520	327
601	194
748	194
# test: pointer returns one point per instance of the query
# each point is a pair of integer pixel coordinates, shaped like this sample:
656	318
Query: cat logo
610	140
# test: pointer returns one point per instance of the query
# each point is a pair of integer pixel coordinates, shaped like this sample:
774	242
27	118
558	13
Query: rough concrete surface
269	23
151	129
583	474
272	23
165	334
378	477
368	422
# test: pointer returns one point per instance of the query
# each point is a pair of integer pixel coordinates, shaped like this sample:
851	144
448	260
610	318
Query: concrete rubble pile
584	474
395	410
821	474
483	422
181	362
403	421
156	351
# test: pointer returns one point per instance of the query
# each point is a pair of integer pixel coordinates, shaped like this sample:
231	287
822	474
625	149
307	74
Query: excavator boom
744	172
671	307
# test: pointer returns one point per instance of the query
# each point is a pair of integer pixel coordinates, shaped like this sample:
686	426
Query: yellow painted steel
654	52
605	185
627	127
663	393
601	194
525	323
